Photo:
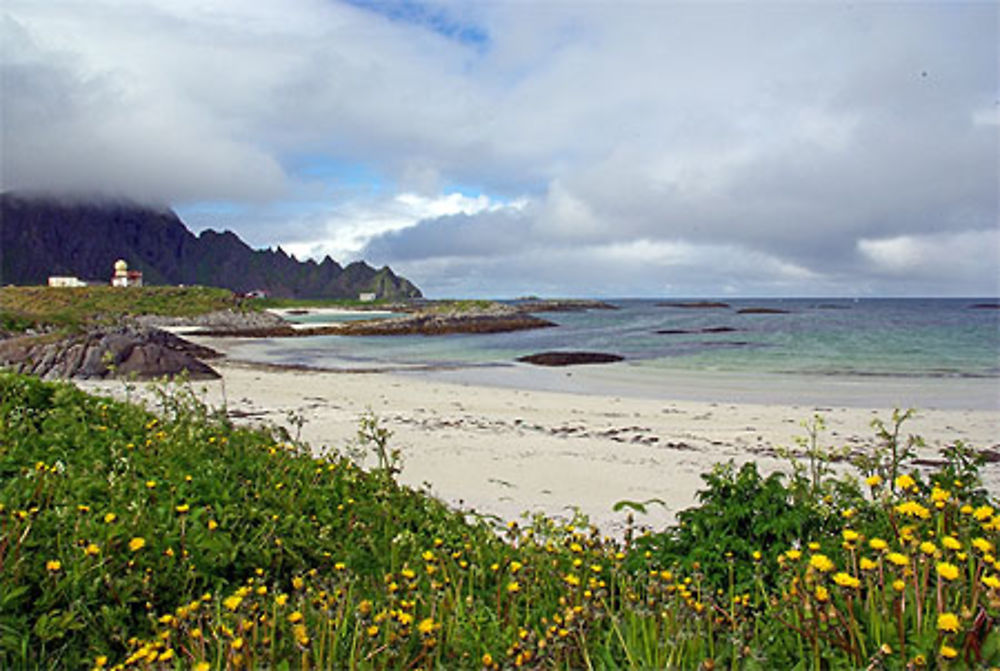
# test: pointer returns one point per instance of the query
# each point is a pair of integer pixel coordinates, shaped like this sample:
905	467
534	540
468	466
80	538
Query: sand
505	451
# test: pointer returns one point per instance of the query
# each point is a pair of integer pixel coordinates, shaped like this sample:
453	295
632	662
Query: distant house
366	297
65	281
256	293
123	277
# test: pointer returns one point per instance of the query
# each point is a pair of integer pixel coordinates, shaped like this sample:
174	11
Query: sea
944	351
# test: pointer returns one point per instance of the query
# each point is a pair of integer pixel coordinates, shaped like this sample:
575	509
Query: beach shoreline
504	451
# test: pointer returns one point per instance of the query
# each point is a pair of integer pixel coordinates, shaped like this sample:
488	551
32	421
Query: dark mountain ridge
43	236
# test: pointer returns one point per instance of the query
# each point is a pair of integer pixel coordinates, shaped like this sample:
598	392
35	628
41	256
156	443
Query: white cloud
789	131
965	254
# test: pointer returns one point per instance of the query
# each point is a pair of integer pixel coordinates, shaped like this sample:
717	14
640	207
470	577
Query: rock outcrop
121	351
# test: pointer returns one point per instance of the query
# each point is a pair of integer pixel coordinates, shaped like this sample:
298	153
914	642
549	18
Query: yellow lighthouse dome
121	267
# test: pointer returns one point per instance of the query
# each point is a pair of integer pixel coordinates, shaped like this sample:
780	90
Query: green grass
26	307
177	540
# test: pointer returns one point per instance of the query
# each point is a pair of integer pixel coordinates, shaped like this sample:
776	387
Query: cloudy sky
560	147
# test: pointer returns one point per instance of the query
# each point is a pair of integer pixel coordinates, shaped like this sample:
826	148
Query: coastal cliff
40	237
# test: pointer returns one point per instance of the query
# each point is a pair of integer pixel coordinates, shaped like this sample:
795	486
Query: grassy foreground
73	307
176	541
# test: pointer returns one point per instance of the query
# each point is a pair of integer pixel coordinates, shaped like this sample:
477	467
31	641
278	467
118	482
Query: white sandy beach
505	451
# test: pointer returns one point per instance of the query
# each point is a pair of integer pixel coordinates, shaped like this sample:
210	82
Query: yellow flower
938	494
982	513
913	509
236	643
298	582
91	550
571	580
898	585
846	580
202	666
513	587
928	548
487	659
53	565
948	622
295	617
137	544
873	480
991	581
898	558
151	484
426	626
300	634
793	554
948	652
814	546
100	661
905	482
821	563
232	602
516	566
756	555
182	508
110	517
850	535
281	599
983	545
822	593
372	631
867	564
951	543
947	571
878	544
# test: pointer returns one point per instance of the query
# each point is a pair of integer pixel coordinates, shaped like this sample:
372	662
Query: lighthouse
123	277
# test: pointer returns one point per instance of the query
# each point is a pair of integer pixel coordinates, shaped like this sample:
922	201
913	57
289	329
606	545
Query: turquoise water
868	337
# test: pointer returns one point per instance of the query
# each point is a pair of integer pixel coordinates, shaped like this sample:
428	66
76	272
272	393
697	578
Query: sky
554	147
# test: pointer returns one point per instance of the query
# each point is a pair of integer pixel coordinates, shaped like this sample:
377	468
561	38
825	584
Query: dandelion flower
487	659
939	495
913	509
846	580
822	593
151	484
947	571
867	564
850	535
513	587
898	558
110	517
878	544
821	563
982	513
905	481
928	548
295	617
182	509
948	652
898	585
873	480
232	602
137	544
53	565
991	581
951	543
426	626
91	550
948	622
202	666
793	554
983	545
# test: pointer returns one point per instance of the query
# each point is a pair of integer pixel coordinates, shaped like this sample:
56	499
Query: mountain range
42	236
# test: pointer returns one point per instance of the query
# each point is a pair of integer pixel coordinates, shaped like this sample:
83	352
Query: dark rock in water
562	305
569	358
697	305
710	329
762	311
123	351
985	306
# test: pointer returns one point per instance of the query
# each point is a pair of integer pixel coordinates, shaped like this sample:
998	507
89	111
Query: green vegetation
73	307
177	540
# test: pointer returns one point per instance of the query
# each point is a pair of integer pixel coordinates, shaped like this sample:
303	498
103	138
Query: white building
65	281
366	297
